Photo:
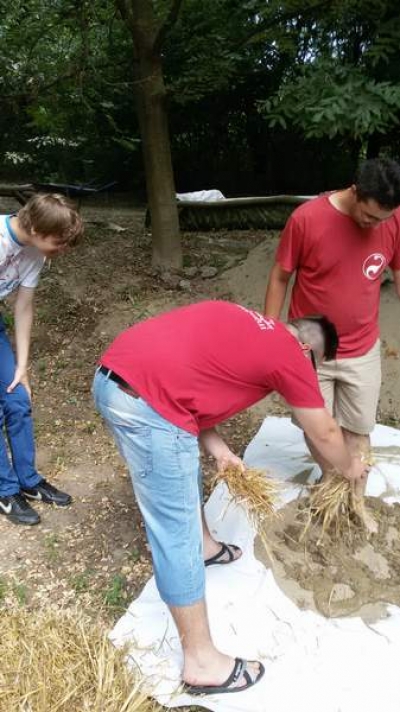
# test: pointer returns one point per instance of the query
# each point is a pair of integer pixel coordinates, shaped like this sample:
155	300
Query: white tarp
312	664
201	196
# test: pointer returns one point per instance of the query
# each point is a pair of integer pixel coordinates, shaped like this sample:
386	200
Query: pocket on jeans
139	450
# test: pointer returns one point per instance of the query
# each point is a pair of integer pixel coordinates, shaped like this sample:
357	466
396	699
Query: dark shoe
18	510
45	492
225	555
239	671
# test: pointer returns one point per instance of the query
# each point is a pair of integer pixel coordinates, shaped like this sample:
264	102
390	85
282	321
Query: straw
334	505
253	490
58	662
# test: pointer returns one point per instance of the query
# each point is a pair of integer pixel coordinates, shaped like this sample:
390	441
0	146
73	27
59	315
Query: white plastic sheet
312	664
201	196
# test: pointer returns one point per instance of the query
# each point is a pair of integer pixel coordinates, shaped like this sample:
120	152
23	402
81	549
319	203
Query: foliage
333	100
248	83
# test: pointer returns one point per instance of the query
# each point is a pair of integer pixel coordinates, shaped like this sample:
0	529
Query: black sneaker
45	492
18	510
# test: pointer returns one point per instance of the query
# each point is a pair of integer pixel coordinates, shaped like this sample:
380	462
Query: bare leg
325	466
358	445
361	445
203	663
212	547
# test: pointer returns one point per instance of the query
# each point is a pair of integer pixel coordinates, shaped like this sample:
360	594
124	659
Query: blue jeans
16	423
163	462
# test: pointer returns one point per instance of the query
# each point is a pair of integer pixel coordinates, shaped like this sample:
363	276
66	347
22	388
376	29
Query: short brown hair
52	214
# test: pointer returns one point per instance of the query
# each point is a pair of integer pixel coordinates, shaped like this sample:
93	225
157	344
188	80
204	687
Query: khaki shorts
351	387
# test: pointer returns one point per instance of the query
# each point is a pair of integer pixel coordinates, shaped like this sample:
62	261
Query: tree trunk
153	123
150	96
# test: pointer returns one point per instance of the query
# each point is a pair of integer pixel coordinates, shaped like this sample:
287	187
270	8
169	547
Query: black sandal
218	558
239	669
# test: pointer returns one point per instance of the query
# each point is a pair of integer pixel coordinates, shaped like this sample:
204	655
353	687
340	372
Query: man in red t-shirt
162	387
338	245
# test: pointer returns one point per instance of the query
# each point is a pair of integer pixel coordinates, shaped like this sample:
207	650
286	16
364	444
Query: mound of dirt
353	575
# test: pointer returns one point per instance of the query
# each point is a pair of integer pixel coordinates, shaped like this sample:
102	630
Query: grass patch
115	595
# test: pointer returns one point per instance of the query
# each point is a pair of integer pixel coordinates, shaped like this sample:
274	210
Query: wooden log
253	213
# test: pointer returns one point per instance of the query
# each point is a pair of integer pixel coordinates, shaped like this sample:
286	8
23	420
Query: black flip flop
218	558
239	669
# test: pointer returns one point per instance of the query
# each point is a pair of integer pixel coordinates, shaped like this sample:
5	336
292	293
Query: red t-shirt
338	267
200	364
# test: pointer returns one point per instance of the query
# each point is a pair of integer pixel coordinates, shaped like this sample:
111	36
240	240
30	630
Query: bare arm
327	438
396	277
276	291
214	445
23	318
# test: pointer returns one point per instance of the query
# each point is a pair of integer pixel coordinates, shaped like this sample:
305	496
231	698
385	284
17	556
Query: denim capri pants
163	462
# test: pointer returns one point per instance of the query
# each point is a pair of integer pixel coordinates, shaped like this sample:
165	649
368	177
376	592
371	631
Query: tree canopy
252	89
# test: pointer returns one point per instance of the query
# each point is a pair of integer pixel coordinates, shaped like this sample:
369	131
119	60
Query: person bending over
162	387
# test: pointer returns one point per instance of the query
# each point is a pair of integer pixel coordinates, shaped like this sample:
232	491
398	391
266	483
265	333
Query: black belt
118	380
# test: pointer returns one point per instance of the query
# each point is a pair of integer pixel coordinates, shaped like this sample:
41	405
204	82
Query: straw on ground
58	662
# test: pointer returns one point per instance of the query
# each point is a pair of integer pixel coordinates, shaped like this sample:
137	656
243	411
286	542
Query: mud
355	575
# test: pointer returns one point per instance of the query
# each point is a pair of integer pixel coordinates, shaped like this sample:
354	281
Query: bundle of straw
251	489
54	662
334	505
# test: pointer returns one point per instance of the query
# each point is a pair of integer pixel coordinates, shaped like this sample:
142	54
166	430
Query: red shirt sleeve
291	243
297	382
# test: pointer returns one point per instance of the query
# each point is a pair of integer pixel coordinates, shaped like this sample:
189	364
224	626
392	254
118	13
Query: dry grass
56	662
334	506
253	490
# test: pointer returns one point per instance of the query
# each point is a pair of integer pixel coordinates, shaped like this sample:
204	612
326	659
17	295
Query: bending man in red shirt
162	387
338	245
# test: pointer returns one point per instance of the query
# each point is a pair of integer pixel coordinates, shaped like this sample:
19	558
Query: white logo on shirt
374	265
262	322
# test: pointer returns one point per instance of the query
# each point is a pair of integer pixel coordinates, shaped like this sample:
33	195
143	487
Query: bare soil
353	575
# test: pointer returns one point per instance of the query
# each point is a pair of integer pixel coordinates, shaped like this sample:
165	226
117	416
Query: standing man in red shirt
338	245
162	387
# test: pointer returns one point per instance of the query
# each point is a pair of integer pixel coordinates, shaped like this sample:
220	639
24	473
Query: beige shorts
351	387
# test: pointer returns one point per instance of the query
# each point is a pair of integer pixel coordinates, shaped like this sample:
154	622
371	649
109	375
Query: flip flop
239	668
218	558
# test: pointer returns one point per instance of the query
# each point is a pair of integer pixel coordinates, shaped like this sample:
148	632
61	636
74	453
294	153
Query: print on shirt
263	322
11	279
374	265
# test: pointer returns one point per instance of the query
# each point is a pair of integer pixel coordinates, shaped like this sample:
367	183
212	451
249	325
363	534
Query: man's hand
229	459
20	376
358	470
214	445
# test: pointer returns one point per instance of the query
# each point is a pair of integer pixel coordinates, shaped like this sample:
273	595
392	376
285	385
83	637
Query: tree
148	31
346	83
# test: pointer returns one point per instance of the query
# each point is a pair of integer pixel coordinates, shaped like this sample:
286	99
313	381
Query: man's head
317	336
375	192
51	223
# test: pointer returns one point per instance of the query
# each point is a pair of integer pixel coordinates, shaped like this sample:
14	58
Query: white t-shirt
19	265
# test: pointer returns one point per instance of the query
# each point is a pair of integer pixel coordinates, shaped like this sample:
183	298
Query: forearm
213	444
23	319
332	447
276	292
396	278
327	440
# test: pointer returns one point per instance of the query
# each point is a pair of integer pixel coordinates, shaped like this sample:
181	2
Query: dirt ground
354	575
94	554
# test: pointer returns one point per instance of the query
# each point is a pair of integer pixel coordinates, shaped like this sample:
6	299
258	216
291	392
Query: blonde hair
52	214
